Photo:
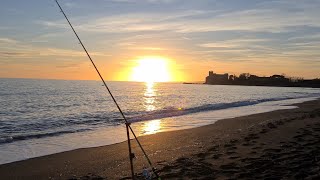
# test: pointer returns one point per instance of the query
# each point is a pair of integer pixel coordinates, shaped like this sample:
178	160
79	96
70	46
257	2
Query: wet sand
274	145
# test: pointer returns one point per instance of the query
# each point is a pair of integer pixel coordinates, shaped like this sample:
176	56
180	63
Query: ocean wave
76	122
59	122
174	111
11	139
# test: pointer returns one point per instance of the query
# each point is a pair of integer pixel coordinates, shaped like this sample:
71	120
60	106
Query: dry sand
283	144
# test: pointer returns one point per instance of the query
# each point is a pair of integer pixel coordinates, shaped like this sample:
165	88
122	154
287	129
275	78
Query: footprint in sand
234	157
256	147
279	122
263	131
271	126
216	156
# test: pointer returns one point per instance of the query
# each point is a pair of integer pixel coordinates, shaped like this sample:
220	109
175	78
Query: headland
247	79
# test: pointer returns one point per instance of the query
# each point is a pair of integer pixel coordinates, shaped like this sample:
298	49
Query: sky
230	36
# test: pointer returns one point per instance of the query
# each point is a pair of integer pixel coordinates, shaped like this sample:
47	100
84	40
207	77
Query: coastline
224	142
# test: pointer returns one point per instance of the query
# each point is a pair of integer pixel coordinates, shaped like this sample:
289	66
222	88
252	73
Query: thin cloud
234	43
15	49
8	41
266	19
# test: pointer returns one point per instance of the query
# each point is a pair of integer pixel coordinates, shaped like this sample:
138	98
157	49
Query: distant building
258	79
279	77
247	79
214	78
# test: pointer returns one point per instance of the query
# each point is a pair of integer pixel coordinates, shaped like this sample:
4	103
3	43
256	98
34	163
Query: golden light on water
149	96
151	69
151	127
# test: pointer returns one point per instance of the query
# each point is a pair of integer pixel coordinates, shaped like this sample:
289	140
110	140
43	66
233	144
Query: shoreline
111	135
191	144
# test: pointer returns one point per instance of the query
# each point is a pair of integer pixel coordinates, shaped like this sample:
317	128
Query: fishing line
114	100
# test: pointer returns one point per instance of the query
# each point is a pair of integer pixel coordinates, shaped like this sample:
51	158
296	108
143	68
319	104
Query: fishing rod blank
114	100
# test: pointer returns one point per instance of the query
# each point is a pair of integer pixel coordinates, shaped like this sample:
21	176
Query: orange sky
265	38
186	70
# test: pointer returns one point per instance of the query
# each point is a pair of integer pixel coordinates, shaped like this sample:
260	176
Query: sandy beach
274	145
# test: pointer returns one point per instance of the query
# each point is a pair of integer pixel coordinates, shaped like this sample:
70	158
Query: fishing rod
128	127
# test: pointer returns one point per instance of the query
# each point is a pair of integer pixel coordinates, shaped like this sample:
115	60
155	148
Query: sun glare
151	127
151	69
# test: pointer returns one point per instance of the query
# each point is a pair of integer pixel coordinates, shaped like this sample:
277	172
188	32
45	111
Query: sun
151	69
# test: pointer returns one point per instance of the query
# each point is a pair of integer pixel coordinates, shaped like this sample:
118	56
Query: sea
42	117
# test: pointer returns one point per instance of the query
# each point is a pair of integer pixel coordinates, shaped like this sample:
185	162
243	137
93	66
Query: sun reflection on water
149	96
151	127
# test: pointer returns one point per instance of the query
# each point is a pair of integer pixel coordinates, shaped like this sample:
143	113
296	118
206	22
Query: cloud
149	48
18	49
272	17
46	37
43	51
12	54
70	4
56	24
131	22
7	41
306	37
236	45
246	31
266	18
